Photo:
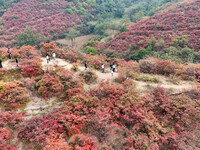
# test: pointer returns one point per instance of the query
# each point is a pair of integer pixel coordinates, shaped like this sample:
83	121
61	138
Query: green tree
72	34
90	50
123	29
28	37
69	11
180	41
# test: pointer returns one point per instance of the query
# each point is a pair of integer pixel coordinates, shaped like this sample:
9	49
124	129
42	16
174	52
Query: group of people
10	57
112	68
48	57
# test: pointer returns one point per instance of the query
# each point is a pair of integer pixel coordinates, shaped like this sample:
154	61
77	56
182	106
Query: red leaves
13	94
180	20
39	129
47	18
49	86
8	121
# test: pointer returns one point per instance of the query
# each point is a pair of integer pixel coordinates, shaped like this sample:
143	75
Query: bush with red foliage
182	19
26	52
72	85
48	48
13	94
71	56
83	142
60	122
31	67
147	65
49	85
8	121
29	60
96	61
177	111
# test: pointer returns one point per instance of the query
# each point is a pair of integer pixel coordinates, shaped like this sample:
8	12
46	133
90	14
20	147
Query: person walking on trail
10	56
47	57
113	68
1	66
17	61
8	50
112	73
86	66
54	56
103	68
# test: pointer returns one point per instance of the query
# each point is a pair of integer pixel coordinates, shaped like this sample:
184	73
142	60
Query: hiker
17	61
86	66
1	64
10	55
113	68
54	56
8	50
103	68
47	57
112	73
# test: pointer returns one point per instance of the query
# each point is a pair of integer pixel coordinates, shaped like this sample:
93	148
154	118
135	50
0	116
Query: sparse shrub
89	77
147	66
74	67
148	78
71	56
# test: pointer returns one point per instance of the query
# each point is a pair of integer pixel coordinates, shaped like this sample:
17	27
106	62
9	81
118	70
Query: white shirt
54	55
102	66
47	57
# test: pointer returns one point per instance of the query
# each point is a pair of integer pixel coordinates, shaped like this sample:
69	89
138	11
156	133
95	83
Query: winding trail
62	63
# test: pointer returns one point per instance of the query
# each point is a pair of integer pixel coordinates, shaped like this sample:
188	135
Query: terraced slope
177	20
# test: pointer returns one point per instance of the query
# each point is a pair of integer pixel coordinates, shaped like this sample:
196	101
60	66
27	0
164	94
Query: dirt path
68	66
9	64
146	87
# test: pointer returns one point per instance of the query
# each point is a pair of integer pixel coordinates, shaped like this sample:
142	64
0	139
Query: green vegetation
69	11
28	37
90	50
72	34
14	17
4	4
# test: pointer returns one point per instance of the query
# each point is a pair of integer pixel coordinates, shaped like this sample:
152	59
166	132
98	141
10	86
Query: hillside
153	104
177	20
47	18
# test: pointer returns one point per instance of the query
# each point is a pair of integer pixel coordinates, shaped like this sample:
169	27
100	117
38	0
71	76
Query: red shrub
13	94
31	67
83	142
60	122
48	48
26	52
96	61
49	86
8	121
147	65
166	67
71	56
